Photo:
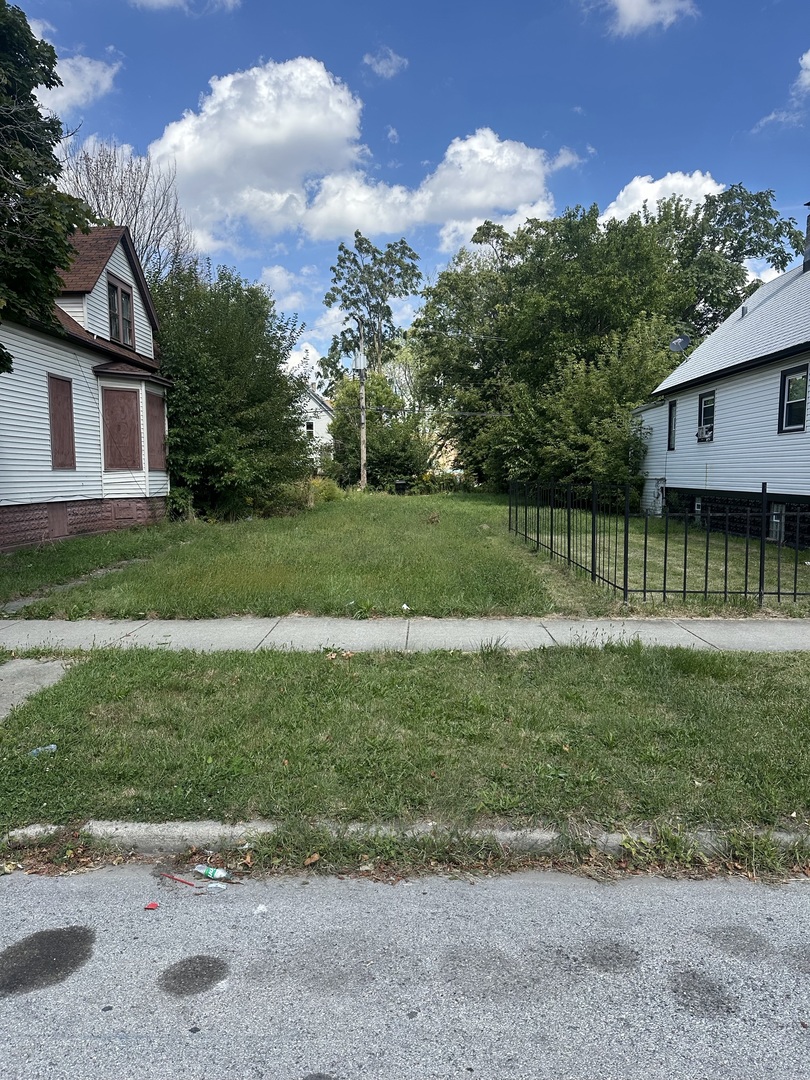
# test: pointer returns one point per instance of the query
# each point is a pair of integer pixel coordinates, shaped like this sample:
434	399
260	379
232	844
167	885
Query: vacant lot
615	736
361	556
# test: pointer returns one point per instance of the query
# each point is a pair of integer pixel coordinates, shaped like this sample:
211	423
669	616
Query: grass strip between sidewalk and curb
571	737
389	854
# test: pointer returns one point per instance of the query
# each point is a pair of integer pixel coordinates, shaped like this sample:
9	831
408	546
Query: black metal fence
707	548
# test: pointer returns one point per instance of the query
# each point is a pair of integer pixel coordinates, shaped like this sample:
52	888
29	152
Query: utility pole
360	365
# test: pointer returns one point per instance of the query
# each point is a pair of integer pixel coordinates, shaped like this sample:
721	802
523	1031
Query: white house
318	415
733	415
82	413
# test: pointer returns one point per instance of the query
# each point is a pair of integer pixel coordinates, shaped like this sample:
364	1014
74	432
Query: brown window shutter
121	416
60	406
156	432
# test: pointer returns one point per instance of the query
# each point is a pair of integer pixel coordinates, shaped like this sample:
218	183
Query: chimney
806	266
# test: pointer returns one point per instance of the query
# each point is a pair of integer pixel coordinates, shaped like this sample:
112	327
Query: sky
292	124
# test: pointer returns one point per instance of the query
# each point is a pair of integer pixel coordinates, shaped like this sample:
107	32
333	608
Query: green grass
712	577
615	737
361	556
32	570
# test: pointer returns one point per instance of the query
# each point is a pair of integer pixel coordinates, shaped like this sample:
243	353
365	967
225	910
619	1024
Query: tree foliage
564	326
364	282
234	413
129	189
36	219
396	449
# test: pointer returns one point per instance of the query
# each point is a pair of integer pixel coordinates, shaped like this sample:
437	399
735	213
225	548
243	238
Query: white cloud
285	287
799	91
84	81
694	186
385	62
481	176
635	16
187	5
802	85
392	134
289	158
276	128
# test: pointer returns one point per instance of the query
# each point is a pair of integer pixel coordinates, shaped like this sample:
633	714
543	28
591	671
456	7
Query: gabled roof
94	250
773	324
321	401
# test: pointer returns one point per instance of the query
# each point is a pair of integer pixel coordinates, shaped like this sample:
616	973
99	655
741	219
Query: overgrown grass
361	556
614	737
31	570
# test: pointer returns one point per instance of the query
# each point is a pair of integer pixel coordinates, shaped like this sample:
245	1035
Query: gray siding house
734	414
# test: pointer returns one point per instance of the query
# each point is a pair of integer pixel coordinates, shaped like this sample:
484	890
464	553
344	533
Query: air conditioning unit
705	433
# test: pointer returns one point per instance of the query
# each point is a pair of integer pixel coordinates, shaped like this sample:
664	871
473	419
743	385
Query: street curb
177	836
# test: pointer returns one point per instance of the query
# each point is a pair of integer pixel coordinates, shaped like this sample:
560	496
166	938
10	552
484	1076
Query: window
310	429
60	408
671	429
120	300
121	416
155	432
793	399
705	432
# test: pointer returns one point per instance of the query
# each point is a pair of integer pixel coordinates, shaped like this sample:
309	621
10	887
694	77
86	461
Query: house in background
318	415
82	413
734	415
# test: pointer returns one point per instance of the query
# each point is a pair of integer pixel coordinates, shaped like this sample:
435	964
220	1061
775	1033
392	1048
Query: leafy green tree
36	219
396	450
235	420
709	244
364	282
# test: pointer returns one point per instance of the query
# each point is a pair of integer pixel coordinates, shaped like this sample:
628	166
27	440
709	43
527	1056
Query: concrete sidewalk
312	634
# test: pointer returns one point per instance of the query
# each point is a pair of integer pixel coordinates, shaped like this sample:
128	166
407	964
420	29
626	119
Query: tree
235	421
396	449
36	219
364	282
127	189
710	243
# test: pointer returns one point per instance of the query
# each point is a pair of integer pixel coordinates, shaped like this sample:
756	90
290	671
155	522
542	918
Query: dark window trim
672	417
783	380
702	423
121	288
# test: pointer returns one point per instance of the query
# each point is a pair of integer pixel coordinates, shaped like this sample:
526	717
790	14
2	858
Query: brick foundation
38	523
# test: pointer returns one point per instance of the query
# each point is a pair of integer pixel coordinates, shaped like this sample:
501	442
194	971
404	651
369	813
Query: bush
322	490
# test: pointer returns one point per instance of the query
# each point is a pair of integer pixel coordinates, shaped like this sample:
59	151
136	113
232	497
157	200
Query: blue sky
293	124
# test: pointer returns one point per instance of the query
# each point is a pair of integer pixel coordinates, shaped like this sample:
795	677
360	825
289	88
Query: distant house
82	414
734	414
318	415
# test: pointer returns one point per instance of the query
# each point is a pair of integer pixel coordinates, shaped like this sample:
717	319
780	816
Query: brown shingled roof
94	250
109	348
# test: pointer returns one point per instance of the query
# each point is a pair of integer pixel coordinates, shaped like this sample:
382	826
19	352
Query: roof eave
735	369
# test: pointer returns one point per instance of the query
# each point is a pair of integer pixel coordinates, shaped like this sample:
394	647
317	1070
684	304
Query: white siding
26	475
75	307
98	312
747	449
320	419
654	422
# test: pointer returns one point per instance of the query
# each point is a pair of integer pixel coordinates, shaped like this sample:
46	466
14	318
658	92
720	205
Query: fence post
594	508
511	486
568	509
537	513
763	537
551	516
626	541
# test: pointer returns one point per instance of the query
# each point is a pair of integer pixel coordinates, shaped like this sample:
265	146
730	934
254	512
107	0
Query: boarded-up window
60	407
155	432
121	416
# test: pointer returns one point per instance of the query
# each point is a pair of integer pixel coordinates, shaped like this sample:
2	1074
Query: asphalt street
536	975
